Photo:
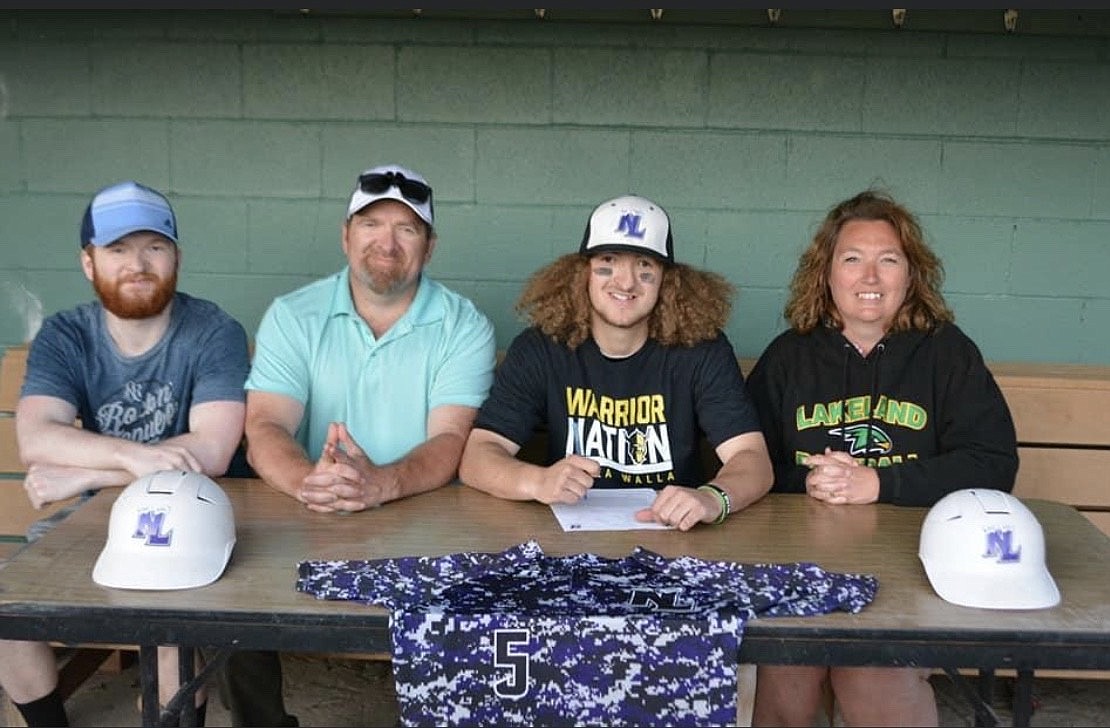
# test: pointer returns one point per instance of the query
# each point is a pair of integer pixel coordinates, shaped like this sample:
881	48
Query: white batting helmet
985	548
172	529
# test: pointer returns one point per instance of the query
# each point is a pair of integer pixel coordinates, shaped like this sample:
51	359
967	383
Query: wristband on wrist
723	497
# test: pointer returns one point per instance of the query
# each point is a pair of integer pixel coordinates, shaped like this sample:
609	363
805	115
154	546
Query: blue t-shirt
521	638
313	346
201	358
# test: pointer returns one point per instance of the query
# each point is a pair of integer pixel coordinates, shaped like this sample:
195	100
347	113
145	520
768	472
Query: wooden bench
1063	427
16	513
75	663
1063	430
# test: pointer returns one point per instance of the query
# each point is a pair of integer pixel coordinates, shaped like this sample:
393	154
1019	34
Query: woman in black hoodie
873	395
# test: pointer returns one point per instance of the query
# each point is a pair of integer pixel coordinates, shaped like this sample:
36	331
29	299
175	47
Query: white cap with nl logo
984	548
630	223
172	529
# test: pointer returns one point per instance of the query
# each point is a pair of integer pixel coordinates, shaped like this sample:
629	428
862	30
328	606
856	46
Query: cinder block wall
256	124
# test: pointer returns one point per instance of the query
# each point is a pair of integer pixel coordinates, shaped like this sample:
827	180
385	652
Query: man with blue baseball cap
155	377
125	208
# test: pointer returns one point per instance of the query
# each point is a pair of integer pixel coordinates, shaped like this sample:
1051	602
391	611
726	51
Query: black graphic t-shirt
640	418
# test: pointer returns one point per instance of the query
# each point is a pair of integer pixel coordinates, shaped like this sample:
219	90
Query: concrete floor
341	692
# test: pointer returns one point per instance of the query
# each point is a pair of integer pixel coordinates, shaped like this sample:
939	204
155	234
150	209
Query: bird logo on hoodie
860	442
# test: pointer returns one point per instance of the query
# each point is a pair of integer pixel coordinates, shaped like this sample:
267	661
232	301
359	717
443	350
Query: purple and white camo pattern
521	638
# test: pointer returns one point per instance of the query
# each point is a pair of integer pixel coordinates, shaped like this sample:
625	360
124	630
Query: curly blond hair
811	302
693	305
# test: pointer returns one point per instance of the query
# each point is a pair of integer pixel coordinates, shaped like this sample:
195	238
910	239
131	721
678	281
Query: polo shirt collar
426	307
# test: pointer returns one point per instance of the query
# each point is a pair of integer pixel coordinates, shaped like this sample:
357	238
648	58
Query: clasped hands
838	478
344	479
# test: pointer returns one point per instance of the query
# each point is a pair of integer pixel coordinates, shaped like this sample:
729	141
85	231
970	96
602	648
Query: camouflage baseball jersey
522	638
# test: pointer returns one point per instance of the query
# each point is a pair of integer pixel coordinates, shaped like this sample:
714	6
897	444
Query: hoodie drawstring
871	400
849	348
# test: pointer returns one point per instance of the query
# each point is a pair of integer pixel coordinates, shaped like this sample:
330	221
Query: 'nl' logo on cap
150	528
630	225
1000	545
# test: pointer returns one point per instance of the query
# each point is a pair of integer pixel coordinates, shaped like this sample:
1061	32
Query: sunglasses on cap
378	182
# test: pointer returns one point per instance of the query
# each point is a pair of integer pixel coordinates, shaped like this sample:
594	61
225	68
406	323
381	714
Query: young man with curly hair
627	366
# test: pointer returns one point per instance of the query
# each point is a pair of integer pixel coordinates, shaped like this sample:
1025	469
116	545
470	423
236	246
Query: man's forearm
492	469
213	457
430	465
747	477
69	446
278	459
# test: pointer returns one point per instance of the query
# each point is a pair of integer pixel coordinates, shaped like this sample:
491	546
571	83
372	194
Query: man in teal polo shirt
364	384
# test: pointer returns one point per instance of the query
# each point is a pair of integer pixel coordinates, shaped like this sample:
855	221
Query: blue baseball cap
125	208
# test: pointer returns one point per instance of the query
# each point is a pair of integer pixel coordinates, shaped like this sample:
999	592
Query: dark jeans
250	686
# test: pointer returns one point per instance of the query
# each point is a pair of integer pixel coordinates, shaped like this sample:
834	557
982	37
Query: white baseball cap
985	548
393	182
629	223
172	529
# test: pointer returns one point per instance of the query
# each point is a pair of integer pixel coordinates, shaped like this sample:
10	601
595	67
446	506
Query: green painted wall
257	123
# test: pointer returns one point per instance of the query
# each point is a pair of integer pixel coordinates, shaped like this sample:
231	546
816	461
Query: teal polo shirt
314	347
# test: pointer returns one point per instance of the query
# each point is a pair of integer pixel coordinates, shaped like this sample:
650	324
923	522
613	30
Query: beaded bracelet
723	497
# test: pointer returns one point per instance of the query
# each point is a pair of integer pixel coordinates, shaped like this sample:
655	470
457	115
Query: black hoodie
938	421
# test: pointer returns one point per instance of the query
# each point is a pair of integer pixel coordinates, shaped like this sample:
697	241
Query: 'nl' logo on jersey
630	226
663	600
1000	546
149	527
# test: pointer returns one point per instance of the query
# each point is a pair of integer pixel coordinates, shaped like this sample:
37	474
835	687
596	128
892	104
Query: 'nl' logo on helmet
630	225
150	527
1000	546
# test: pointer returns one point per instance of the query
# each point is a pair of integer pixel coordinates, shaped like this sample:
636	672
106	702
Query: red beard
131	306
381	277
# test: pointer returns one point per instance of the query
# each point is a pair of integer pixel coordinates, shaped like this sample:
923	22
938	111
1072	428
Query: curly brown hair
693	305
811	302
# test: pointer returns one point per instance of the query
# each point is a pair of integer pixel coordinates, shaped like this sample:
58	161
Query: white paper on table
610	509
